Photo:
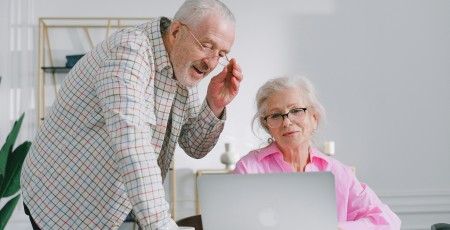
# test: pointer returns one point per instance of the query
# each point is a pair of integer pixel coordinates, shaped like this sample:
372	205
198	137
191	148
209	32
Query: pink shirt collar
317	158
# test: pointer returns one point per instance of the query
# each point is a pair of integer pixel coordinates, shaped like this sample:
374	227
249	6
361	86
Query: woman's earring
270	140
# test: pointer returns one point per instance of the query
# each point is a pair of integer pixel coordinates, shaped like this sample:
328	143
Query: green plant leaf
9	144
1	181
11	181
7	211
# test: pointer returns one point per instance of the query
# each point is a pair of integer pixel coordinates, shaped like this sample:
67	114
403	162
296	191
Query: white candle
328	148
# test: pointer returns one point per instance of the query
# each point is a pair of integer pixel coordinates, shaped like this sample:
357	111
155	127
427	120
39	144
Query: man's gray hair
193	11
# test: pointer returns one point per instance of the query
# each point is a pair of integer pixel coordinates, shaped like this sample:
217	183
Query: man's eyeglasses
223	59
276	120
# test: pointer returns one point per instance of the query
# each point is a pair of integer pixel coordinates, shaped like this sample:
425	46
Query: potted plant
11	161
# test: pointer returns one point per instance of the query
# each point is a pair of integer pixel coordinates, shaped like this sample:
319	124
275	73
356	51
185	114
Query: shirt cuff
210	115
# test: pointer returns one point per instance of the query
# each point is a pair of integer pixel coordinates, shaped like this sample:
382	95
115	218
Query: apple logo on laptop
268	217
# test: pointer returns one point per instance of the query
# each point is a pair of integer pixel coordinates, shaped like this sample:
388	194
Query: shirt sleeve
240	168
366	211
121	84
200	133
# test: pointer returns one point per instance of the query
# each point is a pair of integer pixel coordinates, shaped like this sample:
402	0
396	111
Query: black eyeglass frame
283	115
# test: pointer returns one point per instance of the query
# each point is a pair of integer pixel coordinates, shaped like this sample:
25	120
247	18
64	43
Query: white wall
382	71
4	91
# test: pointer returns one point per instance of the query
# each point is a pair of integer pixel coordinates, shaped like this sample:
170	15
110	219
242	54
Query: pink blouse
358	206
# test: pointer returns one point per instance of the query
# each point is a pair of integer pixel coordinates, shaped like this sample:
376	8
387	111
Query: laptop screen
275	201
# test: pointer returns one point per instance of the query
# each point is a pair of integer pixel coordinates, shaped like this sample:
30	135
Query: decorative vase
328	148
229	158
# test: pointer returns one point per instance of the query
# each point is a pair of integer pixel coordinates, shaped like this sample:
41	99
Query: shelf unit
86	32
52	29
54	70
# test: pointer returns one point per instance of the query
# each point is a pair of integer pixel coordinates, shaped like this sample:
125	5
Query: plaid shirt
106	145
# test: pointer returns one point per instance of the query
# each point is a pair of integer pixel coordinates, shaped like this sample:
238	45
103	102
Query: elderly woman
289	111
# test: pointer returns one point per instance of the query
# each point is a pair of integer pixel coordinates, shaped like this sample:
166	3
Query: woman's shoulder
334	165
253	162
253	154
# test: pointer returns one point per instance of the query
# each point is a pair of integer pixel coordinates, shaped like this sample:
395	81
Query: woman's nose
286	120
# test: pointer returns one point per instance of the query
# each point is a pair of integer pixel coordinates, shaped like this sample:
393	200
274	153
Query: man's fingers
238	75
235	83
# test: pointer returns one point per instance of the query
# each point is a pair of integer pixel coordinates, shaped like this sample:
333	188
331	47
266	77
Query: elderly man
106	146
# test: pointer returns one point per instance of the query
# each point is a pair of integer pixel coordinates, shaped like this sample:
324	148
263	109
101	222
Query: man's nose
211	62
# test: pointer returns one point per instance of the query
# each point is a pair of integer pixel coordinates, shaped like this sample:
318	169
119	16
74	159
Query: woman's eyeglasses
276	120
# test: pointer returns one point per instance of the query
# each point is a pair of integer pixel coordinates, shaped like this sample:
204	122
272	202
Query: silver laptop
277	201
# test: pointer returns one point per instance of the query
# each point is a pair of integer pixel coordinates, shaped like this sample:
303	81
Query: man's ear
174	30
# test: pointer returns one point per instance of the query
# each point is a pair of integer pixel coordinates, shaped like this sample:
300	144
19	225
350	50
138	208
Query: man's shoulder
144	29
150	25
140	35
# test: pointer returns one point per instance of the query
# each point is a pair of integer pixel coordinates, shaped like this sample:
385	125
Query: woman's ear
315	120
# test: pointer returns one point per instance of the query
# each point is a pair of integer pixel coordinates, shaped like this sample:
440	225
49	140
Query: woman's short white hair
193	11
299	83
